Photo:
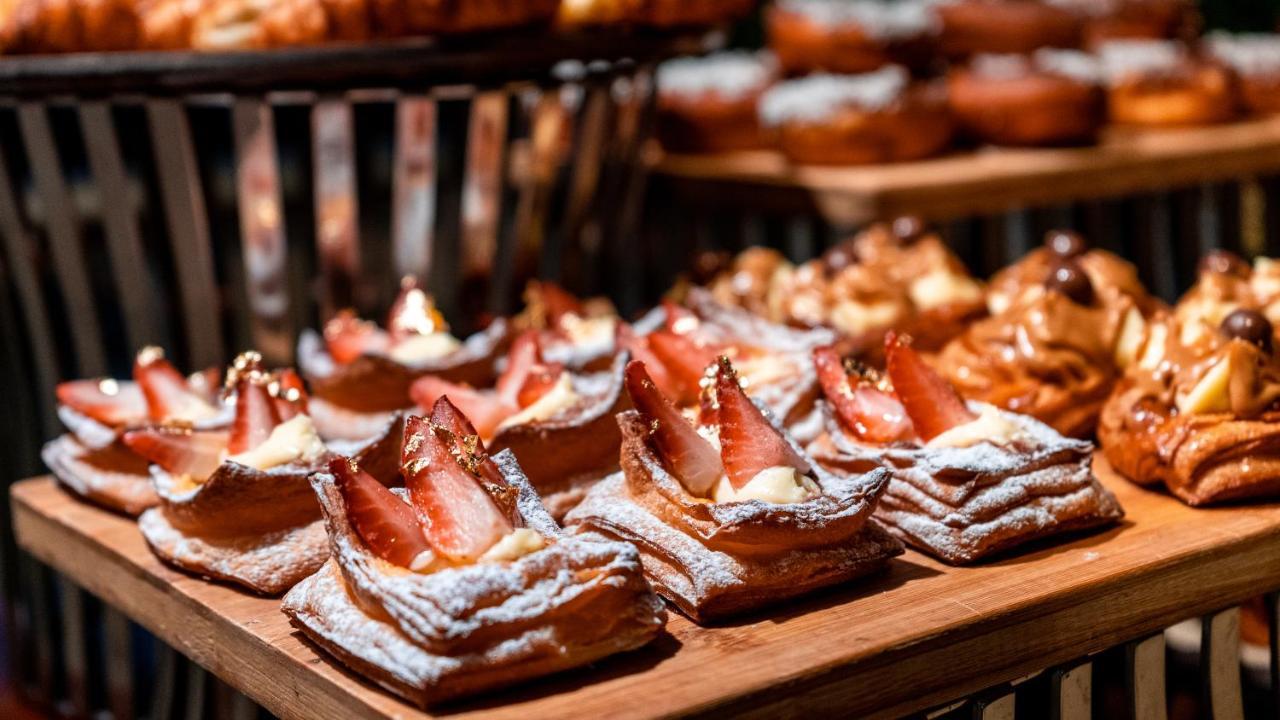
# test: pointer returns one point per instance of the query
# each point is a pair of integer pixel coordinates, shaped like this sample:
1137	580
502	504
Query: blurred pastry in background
660	13
1256	60
875	117
1161	83
851	36
1105	20
1051	97
1108	273
970	27
708	104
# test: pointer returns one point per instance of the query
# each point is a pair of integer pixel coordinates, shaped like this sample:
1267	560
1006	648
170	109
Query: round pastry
840	36
1159	83
709	104
970	27
1105	20
53	26
857	119
1256	60
1052	97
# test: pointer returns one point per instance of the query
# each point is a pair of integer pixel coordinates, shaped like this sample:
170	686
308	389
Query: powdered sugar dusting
1073	64
878	19
730	75
1123	59
820	96
1249	54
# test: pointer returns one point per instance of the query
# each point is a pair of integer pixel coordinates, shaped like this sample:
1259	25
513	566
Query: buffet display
447	516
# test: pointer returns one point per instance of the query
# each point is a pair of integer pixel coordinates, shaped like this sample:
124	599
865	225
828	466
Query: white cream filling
943	287
1133	329
560	397
777	485
1211	394
990	426
593	335
418	348
514	545
1153	352
855	318
290	441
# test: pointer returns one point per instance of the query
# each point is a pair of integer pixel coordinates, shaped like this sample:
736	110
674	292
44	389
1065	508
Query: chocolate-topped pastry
1226	283
1070	280
1250	326
968	480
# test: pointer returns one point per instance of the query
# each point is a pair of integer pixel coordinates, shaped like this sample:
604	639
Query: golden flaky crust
1229	451
461	630
111	476
258	528
964	504
717	559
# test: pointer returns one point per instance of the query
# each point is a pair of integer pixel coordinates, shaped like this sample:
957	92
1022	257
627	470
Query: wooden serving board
984	180
916	636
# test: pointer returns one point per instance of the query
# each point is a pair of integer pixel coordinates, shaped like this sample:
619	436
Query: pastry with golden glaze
236	505
1162	83
92	462
731	515
851	36
1054	354
1198	411
360	374
464	583
557	421
968	480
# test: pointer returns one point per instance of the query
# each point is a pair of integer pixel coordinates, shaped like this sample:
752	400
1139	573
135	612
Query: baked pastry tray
986	180
490	58
914	637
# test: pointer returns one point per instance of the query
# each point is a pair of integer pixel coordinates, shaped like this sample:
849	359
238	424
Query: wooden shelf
987	180
916	636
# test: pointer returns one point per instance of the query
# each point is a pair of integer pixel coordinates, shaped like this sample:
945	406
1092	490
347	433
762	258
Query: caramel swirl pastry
1198	410
92	461
1054	353
464	583
968	479
731	515
360	374
236	504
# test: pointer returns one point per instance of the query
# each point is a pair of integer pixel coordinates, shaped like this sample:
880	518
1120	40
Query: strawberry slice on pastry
347	337
931	402
467	440
749	444
256	413
289	394
688	456
383	521
168	395
685	362
109	402
180	451
870	412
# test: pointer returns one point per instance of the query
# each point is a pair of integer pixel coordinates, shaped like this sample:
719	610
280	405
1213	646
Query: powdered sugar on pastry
820	96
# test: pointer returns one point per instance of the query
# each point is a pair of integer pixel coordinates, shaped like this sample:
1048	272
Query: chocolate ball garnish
839	257
1250	326
909	228
1224	262
1066	244
1068	279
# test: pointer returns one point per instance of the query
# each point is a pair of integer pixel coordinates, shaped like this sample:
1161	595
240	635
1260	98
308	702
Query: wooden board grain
971	183
916	636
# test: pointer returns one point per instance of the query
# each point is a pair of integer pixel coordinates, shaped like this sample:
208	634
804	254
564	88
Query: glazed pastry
1198	411
1054	354
1160	83
1106	20
968	480
971	27
857	119
892	275
236	505
360	374
1226	283
91	461
575	332
558	422
851	36
466	584
1109	274
1256	60
708	104
731	515
1052	97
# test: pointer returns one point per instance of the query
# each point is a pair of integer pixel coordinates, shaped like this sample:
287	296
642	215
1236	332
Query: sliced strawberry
541	378
256	414
168	395
524	354
348	337
625	338
386	524
748	442
107	401
289	394
685	360
686	454
679	319
413	313
868	412
180	451
468	444
462	520
556	301
485	408
931	402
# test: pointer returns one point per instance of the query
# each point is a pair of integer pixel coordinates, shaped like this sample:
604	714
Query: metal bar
119	663
262	238
164	698
482	190
1144	676
414	186
336	205
994	705
1071	692
577	252
198	680
137	293
75	658
1271	601
188	224
1220	664
62	225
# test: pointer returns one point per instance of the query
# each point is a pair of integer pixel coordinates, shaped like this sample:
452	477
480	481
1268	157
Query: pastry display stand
917	637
